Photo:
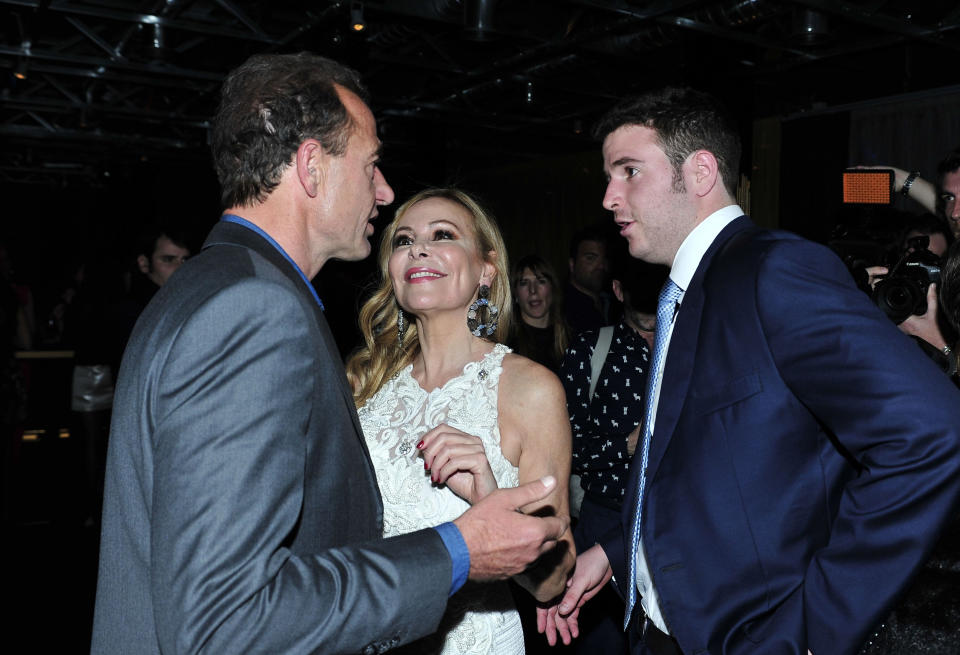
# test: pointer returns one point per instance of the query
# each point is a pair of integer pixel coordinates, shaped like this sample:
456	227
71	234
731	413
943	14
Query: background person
940	198
587	303
927	619
948	170
540	333
604	375
950	286
164	253
924	240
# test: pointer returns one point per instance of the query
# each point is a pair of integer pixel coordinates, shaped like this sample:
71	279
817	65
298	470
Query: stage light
357	24
868	186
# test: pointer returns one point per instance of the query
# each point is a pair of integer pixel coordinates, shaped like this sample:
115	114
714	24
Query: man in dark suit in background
241	511
800	455
587	304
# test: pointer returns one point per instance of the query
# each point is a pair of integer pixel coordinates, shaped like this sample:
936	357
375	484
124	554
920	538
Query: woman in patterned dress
448	413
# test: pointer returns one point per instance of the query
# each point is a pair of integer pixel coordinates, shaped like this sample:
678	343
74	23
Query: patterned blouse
601	426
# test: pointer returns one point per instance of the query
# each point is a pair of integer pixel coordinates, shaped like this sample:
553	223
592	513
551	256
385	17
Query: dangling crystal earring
401	327
477	327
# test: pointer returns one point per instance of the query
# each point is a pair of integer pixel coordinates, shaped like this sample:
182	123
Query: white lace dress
480	618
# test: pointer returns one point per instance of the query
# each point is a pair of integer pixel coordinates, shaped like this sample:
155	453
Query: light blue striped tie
665	312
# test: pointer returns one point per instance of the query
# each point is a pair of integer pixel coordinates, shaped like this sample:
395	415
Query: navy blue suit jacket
805	455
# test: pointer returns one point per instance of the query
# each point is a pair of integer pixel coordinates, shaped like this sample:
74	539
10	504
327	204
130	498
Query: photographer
907	291
940	200
927	619
950	302
939	239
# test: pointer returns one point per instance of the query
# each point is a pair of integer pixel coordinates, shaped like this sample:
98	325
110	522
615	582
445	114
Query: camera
903	292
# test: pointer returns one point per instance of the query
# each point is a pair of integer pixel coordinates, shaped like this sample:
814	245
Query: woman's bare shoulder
525	380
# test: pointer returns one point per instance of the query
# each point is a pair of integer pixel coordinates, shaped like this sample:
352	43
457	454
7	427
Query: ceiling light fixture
357	24
478	18
20	72
810	27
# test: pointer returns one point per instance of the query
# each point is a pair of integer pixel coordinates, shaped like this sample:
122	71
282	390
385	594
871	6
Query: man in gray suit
241	511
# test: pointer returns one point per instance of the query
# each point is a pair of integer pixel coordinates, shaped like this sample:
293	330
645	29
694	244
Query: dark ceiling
109	84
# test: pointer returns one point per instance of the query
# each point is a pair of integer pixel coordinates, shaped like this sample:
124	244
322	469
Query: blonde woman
448	413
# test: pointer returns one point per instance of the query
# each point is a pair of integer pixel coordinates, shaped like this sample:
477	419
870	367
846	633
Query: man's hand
926	326
502	540
590	575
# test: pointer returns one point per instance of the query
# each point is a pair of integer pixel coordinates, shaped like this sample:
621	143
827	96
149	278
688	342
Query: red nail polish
420	445
425	467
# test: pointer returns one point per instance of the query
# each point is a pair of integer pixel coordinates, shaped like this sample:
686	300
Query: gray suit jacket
241	512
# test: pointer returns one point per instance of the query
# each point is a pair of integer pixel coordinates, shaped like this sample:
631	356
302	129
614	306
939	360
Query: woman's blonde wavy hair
382	356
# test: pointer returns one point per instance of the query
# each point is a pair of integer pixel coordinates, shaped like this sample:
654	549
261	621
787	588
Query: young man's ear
143	263
704	172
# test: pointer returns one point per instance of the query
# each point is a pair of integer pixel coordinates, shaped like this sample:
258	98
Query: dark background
106	130
108	127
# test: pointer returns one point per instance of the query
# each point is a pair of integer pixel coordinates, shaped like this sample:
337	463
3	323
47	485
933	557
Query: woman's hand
458	460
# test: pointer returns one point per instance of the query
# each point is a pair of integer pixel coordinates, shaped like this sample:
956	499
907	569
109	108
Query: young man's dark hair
685	121
268	107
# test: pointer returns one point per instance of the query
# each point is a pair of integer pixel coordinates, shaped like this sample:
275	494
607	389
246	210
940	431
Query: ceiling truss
92	86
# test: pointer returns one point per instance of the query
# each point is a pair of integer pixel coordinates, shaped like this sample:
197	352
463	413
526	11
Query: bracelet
907	183
947	350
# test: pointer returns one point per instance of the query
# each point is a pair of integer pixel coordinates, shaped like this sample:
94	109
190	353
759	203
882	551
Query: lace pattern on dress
480	618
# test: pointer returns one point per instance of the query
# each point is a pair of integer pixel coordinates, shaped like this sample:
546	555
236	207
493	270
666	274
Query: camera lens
898	298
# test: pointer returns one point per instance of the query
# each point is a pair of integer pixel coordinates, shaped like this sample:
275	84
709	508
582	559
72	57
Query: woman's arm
535	434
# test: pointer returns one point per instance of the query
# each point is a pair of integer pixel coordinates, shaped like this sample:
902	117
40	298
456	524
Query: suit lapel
678	367
226	233
333	352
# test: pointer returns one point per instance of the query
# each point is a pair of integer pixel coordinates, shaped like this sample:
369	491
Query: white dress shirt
685	264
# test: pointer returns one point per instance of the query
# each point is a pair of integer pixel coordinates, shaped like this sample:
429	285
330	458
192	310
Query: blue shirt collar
233	218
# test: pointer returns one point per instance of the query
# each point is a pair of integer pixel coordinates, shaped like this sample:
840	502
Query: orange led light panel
868	187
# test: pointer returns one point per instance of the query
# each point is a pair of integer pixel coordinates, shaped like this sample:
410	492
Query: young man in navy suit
801	454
